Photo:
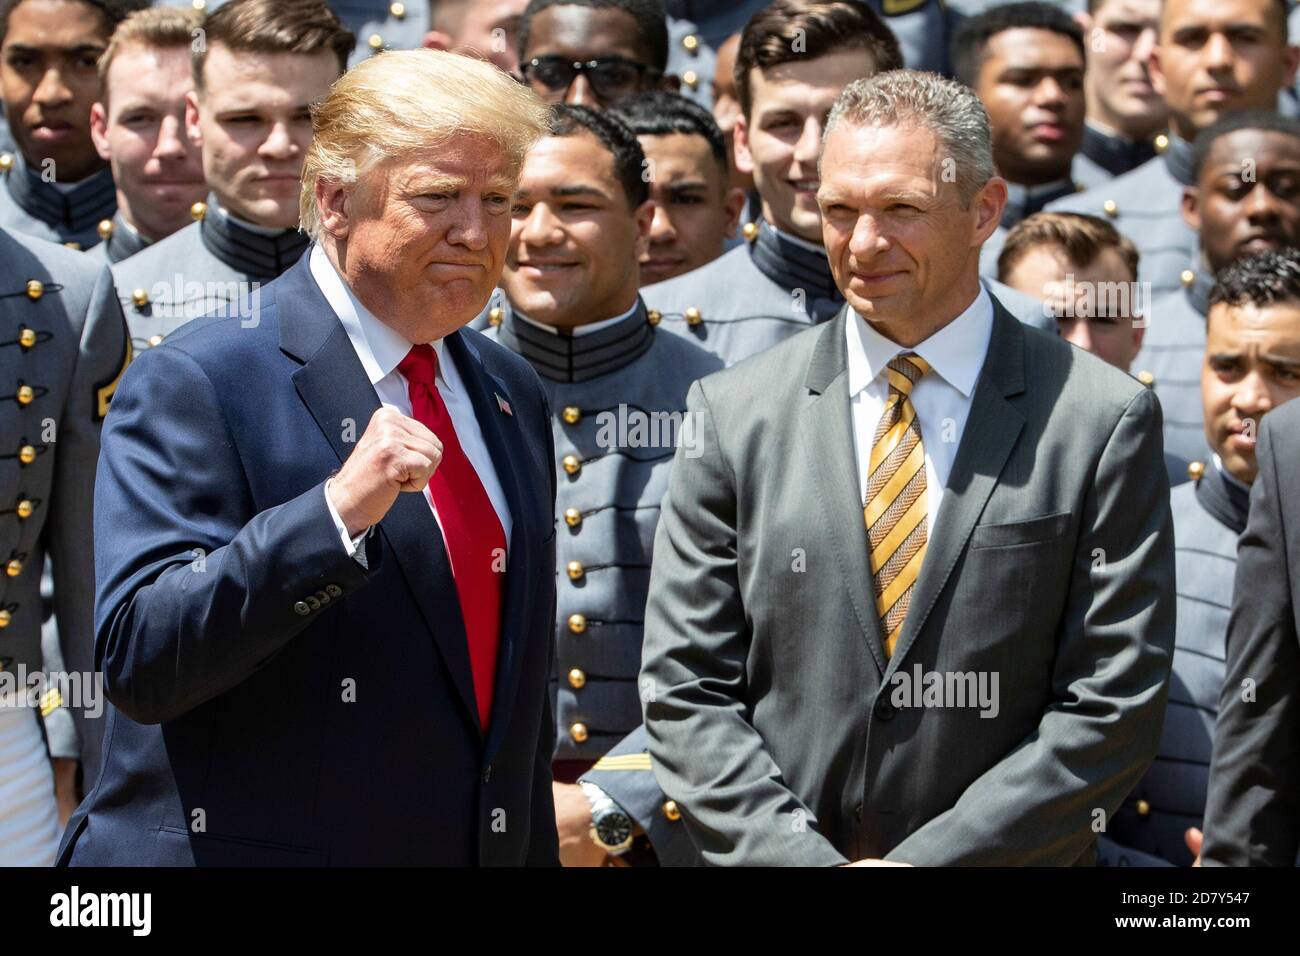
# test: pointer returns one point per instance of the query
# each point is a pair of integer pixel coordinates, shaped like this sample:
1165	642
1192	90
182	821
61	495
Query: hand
1194	838
65	787
395	454
573	820
874	862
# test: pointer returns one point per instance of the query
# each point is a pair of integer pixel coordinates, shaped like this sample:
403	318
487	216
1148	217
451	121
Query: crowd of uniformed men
1147	147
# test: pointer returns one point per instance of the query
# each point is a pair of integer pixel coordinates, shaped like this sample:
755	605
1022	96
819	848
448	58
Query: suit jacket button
322	597
301	607
884	709
313	603
333	590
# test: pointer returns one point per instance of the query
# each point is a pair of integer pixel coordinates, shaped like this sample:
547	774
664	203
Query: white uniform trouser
29	817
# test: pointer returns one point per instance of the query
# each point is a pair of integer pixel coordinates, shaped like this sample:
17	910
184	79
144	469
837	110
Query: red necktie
476	543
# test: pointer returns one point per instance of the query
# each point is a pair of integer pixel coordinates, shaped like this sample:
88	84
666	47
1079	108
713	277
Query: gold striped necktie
895	502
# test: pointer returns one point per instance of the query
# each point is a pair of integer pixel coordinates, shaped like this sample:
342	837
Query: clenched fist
395	454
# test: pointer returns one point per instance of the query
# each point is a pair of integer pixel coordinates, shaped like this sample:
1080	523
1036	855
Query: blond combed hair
165	28
406	102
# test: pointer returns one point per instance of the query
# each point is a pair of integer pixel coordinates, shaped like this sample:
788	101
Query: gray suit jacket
775	721
65	340
1252	816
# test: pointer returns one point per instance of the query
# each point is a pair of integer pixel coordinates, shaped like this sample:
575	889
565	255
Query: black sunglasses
610	76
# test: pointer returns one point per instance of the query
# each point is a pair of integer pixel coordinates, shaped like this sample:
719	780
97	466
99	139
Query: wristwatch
611	827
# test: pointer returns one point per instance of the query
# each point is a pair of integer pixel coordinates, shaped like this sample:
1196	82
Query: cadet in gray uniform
1254	355
65	349
1246	199
55	186
617	387
1125	113
246	234
1145	204
138	125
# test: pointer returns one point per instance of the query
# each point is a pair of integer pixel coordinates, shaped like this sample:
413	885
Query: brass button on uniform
14	568
1146	378
694	316
139	298
25	395
376	41
6	162
750	231
1187	277
576	570
155	340
691	79
398	10
35	289
199	5
572	414
1195	470
578	732
5	617
495	315
671	811
1161	143
1110	208
27	454
577	679
691	42
300	607
577	623
654	316
571	464
198	211
1143	808
25	508
105	228
572	517
27	338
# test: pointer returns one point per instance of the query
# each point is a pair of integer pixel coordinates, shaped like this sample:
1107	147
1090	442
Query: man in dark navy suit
325	556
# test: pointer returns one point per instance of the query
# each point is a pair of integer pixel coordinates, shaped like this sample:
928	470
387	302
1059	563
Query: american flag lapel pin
503	405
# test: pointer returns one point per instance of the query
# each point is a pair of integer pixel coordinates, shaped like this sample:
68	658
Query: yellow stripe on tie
905	579
894	487
890	439
894	540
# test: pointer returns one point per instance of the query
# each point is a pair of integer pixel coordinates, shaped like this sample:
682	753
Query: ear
989	203
734	206
436	40
740	147
99	130
192	129
332	208
1191	208
1290	61
644	216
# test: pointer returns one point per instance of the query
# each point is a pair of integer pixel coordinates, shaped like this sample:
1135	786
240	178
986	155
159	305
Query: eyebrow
1269	358
686	185
95	48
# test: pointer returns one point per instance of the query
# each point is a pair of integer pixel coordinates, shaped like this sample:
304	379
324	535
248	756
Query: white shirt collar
956	352
582	329
380	347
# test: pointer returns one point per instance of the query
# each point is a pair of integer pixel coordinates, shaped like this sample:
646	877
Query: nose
541	227
52	91
279	143
809	146
171	138
1260	204
1219	54
1252	399
661	227
1145	44
1050	92
469	229
867	240
580	92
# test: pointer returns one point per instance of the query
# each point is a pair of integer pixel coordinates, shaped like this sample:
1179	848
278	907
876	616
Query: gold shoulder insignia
896	8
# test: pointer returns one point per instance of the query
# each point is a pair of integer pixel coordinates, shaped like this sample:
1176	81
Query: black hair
615	135
1266	120
115	10
1262	278
660	113
651	22
966	50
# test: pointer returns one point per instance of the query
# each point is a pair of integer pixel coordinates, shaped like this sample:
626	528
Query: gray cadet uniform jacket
613	465
1022	201
64	350
773	287
1103	156
1145	205
33	207
121	241
1170	361
1148	828
210	266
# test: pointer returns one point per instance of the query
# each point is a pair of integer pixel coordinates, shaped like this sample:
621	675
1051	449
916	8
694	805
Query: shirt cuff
351	545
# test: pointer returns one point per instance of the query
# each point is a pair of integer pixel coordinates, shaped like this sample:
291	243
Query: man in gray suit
63	351
914	597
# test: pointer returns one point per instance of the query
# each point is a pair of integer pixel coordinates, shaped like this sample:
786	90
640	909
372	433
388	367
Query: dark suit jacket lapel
992	428
506	445
826	430
334	386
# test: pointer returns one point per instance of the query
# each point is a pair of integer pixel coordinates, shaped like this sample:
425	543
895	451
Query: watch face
613	829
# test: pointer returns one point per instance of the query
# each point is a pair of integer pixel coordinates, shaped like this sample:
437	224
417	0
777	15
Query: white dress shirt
380	349
942	397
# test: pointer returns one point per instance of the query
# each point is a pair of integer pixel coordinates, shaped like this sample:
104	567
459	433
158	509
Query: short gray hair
948	109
